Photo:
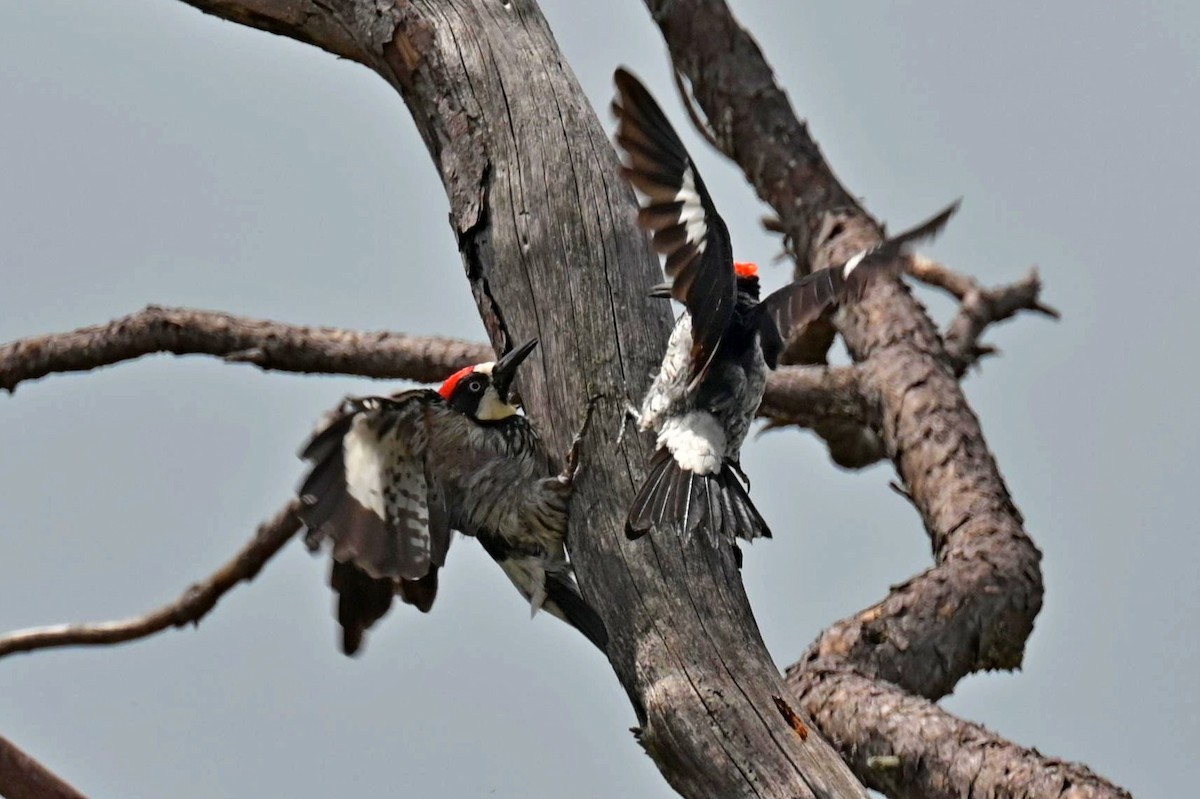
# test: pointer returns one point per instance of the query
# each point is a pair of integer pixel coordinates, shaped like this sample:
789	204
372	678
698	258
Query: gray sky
151	154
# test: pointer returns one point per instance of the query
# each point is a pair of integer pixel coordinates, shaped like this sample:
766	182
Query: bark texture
801	396
547	233
548	240
974	609
22	777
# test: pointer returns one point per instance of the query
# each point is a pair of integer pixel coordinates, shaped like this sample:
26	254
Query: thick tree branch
22	777
268	345
189	608
909	748
547	231
943	625
975	608
805	397
981	307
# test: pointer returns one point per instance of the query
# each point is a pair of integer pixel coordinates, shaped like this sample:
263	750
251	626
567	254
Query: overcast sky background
151	154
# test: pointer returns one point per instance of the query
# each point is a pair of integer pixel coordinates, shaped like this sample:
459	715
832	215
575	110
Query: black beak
506	368
660	291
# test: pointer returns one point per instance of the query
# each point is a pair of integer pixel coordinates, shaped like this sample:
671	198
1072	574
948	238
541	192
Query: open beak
660	291
506	368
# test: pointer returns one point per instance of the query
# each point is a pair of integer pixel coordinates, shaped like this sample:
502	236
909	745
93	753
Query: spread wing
803	301
371	493
679	212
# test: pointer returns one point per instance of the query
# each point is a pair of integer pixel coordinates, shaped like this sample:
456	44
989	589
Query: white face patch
853	262
696	441
692	213
492	408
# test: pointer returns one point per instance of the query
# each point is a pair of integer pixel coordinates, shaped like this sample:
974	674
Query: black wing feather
659	167
375	558
803	301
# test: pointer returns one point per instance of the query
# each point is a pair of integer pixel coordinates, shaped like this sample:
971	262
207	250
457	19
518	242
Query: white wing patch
695	440
692	213
388	479
366	462
853	263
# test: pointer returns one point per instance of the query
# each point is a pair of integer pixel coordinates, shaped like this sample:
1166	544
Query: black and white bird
714	371
392	477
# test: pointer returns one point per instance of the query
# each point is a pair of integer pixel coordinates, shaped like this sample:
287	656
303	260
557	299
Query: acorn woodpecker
713	373
392	476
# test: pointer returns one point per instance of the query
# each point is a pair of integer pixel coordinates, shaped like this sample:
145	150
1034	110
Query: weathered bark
550	248
798	396
909	748
548	238
238	339
22	777
975	608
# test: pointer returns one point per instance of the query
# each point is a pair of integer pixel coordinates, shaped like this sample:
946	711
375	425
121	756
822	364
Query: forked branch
980	307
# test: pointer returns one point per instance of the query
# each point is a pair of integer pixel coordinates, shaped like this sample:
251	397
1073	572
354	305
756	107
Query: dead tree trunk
547	235
550	246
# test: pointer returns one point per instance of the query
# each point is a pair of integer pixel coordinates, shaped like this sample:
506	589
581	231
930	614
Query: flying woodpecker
392	476
713	373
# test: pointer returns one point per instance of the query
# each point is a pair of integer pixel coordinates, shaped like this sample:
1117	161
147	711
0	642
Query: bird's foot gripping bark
570	468
632	414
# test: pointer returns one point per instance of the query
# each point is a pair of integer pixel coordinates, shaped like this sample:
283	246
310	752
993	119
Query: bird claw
631	414
571	467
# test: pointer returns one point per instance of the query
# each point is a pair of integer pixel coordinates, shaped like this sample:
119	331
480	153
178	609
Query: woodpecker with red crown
714	371
392	476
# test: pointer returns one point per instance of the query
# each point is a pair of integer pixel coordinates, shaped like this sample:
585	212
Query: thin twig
189	608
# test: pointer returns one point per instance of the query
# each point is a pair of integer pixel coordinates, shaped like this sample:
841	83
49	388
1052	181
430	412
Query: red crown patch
451	382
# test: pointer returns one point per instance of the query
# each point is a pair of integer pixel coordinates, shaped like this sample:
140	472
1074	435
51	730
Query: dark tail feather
422	592
574	609
676	498
642	514
362	601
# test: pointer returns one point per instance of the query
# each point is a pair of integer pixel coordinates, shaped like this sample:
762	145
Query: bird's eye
475	386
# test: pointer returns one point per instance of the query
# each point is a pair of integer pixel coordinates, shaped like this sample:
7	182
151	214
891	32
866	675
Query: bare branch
932	273
909	748
927	427
829	401
189	608
975	610
22	777
533	184
980	307
804	397
268	345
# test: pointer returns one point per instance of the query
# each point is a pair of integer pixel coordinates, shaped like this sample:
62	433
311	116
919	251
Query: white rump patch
853	263
692	213
696	441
